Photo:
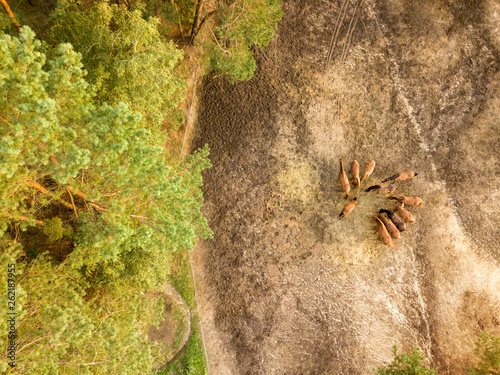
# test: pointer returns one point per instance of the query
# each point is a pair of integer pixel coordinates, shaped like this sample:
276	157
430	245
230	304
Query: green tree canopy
242	25
61	329
69	163
52	132
127	59
126	55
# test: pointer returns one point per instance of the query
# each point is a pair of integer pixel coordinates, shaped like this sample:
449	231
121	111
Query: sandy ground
288	288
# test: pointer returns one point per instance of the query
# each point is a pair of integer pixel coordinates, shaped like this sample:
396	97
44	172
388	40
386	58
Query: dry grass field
288	288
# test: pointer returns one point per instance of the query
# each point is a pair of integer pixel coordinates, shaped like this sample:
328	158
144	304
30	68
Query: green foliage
53	229
86	314
127	59
63	330
145	204
171	12
154	209
41	104
253	22
181	279
192	359
6	25
192	362
405	364
488	351
140	269
236	62
243	25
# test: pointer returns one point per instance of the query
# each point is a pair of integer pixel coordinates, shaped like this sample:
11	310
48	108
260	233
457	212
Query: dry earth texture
287	287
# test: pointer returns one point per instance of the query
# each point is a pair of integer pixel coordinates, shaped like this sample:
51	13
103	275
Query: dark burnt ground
238	123
286	287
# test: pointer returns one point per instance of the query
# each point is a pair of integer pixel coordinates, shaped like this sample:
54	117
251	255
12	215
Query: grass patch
191	360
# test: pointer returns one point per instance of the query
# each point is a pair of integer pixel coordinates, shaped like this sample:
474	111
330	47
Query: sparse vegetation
488	352
406	364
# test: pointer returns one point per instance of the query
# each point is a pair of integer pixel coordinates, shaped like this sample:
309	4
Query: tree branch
33	342
217	41
11	15
24	218
199	6
77	192
69	188
194	33
41	189
72	201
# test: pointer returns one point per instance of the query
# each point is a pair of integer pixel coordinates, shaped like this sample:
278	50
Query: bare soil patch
286	287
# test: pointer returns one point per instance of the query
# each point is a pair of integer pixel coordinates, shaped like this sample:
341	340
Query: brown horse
343	180
409	201
403	175
405	215
383	233
348	208
355	173
368	170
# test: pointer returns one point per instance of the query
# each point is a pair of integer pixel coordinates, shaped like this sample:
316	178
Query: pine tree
127	59
242	25
63	329
51	131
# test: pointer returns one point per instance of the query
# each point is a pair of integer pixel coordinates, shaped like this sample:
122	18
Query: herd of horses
390	224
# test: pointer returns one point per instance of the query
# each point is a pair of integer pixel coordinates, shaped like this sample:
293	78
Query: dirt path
286	287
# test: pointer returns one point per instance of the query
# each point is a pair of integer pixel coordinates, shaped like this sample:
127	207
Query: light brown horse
383	233
391	228
368	170
355	173
343	180
348	208
405	215
409	201
403	175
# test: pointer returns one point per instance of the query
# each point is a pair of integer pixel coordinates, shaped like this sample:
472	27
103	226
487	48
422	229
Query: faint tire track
340	20
350	31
